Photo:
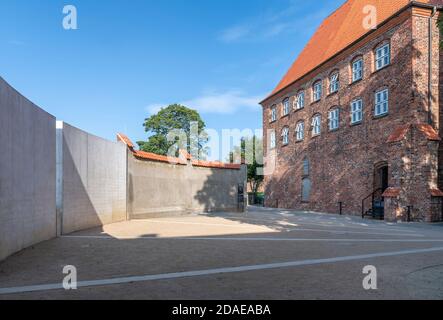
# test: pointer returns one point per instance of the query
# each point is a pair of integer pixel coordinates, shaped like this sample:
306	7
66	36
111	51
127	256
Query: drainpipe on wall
430	56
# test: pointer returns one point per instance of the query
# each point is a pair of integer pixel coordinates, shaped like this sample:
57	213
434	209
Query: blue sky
127	58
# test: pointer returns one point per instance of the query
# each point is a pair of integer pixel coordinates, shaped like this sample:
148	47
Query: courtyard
261	254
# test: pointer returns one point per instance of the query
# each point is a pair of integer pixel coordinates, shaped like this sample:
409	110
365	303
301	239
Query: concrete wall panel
27	173
94	181
158	189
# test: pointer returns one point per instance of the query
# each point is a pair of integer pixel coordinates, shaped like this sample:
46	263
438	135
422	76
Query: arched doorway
381	176
381	183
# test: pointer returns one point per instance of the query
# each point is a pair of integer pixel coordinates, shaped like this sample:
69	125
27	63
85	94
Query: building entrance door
381	183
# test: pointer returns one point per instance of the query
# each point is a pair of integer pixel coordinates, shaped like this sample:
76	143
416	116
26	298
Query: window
317	91
273	114
334	83
382	102
357	70
356	111
382	56
334	119
300	102
300	131
306	190
316	125
306	182
272	144
285	136
286	107
306	167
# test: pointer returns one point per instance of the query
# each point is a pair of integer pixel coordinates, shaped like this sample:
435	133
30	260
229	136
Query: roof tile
399	133
123	138
436	192
342	28
183	160
428	131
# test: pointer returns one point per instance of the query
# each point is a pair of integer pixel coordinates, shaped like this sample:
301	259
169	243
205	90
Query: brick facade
344	163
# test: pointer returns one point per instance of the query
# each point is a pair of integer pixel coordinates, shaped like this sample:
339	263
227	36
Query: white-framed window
300	131
316	125
285	135
334	83
317	90
382	56
273	113
273	141
357	70
286	107
381	102
356	111
300	101
334	119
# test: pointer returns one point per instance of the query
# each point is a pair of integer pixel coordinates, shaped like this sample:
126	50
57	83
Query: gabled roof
338	31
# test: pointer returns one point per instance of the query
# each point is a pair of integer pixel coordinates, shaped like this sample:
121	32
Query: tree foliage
168	120
251	150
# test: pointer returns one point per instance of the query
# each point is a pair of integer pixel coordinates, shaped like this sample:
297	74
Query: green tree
167	122
251	150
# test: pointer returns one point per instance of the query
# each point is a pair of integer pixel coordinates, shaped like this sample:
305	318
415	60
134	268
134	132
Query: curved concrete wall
27	173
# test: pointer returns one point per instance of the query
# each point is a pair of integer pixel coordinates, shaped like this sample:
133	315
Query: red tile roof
183	160
428	131
400	132
215	164
338	31
436	193
391	193
123	138
159	158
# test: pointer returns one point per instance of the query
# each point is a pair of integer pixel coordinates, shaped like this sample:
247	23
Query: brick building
356	121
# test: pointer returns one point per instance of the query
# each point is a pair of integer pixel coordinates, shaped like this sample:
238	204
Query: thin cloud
224	103
234	33
273	24
17	43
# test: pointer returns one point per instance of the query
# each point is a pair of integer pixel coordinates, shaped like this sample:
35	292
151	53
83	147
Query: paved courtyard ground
262	254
